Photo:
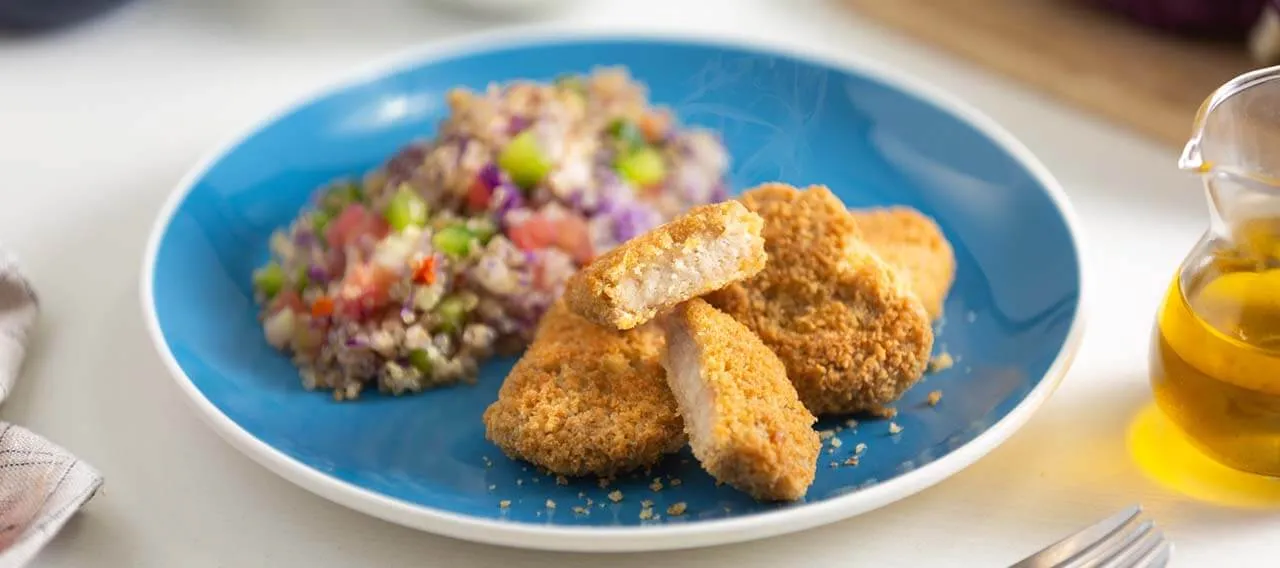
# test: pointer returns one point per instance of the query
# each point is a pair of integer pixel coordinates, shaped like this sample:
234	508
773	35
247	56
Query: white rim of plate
624	539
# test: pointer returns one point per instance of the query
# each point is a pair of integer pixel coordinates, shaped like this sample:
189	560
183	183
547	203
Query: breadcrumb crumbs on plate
934	398
831	451
492	487
836	443
677	509
833	465
656	485
894	428
645	504
826	434
603	482
884	412
581	511
581	494
852	461
675	482
851	423
519	482
941	362
590	502
561	480
503	504
646	514
615	495
551	504
858	449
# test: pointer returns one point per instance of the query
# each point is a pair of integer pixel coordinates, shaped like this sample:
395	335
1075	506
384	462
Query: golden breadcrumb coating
743	417
586	400
913	244
703	250
850	332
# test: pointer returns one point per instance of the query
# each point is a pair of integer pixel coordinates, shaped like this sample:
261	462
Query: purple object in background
1231	19
29	16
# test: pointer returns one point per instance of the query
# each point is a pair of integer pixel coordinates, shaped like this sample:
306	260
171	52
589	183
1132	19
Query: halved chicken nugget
913	244
586	400
745	423
849	330
703	250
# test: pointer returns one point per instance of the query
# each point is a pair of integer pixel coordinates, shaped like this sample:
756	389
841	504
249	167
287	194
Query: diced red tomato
654	125
425	271
288	300
354	222
478	196
322	307
572	237
365	288
533	234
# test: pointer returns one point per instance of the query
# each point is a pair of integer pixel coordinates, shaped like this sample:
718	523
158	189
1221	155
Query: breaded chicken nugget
703	250
850	332
913	244
586	400
744	420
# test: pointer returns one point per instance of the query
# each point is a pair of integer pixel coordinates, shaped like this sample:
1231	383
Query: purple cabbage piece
1207	18
720	192
401	167
490	175
508	197
517	125
633	220
317	274
304	238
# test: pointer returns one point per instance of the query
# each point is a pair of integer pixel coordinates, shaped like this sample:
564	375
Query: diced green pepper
454	240
483	231
643	168
627	133
524	161
269	279
452	313
320	221
340	196
301	280
420	360
572	82
406	210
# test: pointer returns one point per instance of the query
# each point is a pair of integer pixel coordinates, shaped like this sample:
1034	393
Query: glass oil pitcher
1215	357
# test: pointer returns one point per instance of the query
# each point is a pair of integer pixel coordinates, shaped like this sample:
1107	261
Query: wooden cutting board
1097	60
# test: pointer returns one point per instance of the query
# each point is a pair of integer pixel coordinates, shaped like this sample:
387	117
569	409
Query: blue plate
1012	320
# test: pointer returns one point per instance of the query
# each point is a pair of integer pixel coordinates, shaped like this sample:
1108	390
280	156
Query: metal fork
1120	541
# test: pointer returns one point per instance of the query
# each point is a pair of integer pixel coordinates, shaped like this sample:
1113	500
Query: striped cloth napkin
41	484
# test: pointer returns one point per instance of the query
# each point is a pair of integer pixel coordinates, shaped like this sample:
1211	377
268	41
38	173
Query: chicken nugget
586	400
913	244
846	326
703	250
744	420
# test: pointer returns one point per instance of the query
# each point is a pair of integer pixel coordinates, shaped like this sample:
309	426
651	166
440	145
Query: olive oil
1215	360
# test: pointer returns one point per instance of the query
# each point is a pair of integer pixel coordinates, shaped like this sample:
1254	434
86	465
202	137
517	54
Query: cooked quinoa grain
409	277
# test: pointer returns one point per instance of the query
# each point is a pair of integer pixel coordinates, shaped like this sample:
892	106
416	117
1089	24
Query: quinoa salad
451	251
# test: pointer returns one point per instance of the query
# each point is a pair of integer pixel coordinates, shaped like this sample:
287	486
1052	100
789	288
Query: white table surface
97	125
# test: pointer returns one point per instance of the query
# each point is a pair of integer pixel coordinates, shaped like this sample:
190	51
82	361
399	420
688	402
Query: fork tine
1158	558
1135	553
1112	545
1067	548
